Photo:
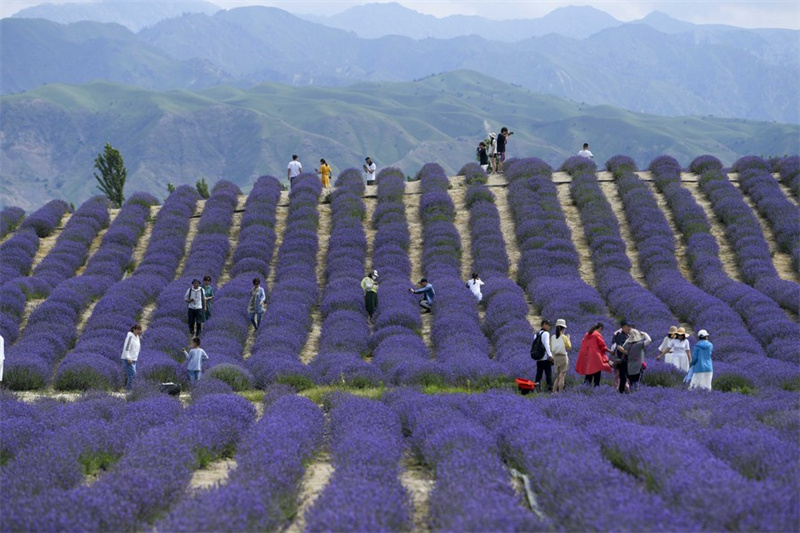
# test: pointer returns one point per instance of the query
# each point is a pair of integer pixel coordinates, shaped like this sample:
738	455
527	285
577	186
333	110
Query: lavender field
323	420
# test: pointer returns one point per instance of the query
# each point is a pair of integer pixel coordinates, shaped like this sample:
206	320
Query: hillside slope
52	135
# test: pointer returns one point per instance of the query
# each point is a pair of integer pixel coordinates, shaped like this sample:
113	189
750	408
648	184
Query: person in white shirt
546	364
560	345
196	298
678	352
369	170
294	169
130	354
2	355
585	152
475	284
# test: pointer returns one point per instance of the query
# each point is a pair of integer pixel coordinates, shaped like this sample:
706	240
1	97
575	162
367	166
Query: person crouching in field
195	358
702	367
593	356
370	287
426	289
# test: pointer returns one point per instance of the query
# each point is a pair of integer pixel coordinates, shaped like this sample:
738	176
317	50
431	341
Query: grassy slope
54	132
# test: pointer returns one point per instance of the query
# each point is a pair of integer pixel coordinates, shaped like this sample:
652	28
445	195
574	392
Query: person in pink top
593	356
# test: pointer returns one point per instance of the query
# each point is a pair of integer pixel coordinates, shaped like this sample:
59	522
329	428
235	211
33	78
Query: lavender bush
10	218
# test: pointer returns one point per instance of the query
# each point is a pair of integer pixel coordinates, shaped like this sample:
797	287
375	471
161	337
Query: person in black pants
196	298
545	365
587	380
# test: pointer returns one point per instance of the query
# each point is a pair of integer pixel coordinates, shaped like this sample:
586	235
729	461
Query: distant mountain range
657	65
51	135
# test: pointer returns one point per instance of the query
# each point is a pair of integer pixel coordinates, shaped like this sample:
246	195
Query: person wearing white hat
491	145
560	346
370	287
701	362
631	368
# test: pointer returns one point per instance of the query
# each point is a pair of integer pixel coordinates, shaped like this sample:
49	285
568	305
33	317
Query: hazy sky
758	13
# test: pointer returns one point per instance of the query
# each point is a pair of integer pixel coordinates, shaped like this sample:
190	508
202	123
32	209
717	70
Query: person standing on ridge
426	289
196	298
491	148
483	156
585	152
560	345
324	171
130	354
474	284
256	303
544	357
208	290
701	362
370	286
293	170
502	143
369	171
592	356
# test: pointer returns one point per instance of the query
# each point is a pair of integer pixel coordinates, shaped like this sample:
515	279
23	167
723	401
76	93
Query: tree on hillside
202	188
112	174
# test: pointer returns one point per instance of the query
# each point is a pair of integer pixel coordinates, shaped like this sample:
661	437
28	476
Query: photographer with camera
502	141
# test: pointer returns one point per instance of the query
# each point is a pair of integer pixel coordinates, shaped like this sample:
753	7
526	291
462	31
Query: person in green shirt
370	286
209	292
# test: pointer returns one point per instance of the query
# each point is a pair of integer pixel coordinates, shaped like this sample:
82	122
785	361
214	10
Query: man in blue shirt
425	289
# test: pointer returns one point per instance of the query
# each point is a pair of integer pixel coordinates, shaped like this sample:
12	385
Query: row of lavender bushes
10	218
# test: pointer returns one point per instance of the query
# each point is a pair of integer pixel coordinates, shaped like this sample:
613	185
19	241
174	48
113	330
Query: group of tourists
295	168
625	357
491	152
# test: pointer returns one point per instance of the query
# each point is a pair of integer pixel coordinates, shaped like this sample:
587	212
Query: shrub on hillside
733	383
704	163
236	377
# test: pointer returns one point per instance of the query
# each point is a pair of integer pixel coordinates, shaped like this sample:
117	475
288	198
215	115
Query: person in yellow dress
325	172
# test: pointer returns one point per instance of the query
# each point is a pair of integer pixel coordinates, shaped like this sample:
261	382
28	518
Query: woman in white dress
678	351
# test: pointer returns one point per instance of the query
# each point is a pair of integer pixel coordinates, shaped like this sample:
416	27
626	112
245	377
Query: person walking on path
474	284
618	352
678	352
502	143
585	152
592	356
369	171
294	169
195	358
426	289
702	367
540	351
483	156
208	291
370	286
631	367
256	303
130	354
196	298
560	345
324	171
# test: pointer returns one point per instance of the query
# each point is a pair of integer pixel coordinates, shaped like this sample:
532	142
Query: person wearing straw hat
631	368
560	346
370	287
702	367
663	348
678	351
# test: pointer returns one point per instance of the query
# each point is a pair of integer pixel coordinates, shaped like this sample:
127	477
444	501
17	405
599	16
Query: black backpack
537	350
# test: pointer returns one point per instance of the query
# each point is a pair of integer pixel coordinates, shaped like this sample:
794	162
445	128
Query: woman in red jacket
592	357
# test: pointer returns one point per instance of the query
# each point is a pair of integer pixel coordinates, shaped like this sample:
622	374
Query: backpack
537	350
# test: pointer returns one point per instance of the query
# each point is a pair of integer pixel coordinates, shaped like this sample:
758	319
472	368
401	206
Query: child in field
195	358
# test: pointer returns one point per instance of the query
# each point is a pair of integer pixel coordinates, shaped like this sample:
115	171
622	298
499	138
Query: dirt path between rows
610	193
144	240
411	202
233	239
680	249
95	245
194	223
311	348
573	219
46	244
315	479
418	482
458	195
215	473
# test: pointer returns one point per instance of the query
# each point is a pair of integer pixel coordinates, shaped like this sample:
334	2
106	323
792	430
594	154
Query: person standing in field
703	368
544	359
585	152
474	285
196	298
2	356
294	169
483	156
369	171
426	289
324	171
195	358
370	286
256	303
592	356
130	354
678	352
208	291
491	148
631	367
663	348
618	352
502	143
560	345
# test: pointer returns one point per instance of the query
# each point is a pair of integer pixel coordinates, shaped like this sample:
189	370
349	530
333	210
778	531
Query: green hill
52	134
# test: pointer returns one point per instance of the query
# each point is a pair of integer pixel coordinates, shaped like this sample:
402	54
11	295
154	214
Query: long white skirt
701	380
678	360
